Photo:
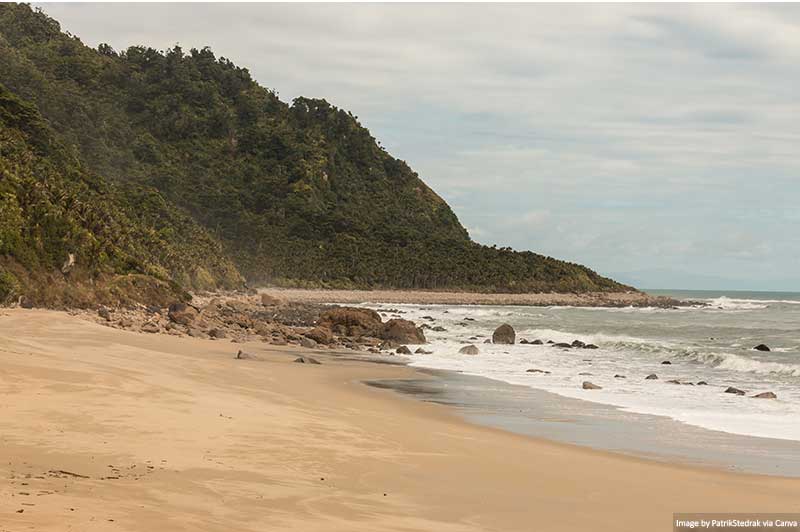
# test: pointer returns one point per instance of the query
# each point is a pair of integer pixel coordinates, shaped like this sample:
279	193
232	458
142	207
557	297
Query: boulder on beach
308	343
421	351
618	376
666	363
181	313
577	343
349	321
562	344
269	301
533	370
321	335
402	331
735	391
762	347
104	313
524	342
651	377
537	342
590	346
590	386
439	328
217	333
765	395
469	350
307	360
504	334
403	350
702	383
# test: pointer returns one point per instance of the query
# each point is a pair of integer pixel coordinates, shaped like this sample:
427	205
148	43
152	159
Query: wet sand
106	429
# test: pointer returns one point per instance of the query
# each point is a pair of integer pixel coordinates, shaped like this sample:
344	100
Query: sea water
712	342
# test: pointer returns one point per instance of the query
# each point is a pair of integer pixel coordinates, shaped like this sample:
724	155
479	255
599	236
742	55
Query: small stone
765	395
469	350
762	347
590	386
651	377
736	391
544	372
666	363
307	360
590	346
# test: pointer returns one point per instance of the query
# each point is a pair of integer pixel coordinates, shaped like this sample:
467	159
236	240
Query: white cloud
644	131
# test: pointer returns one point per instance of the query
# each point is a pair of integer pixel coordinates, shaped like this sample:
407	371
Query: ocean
712	342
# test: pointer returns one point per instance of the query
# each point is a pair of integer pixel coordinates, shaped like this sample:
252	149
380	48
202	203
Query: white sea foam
628	354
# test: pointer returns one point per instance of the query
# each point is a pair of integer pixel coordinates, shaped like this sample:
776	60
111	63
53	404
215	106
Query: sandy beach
423	297
105	429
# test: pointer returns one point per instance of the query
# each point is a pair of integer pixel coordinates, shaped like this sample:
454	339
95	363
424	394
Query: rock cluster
254	317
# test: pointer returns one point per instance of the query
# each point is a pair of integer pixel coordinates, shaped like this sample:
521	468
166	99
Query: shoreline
548	416
423	297
116	430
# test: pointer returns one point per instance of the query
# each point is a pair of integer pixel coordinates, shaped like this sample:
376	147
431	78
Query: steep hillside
297	194
67	238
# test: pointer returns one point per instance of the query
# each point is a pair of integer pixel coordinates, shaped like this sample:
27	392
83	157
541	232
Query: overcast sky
659	142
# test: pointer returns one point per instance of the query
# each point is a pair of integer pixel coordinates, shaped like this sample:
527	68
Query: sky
655	143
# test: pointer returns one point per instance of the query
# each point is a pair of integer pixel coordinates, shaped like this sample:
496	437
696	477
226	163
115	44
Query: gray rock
544	372
590	346
590	386
469	350
666	363
562	344
762	347
577	343
241	355
217	333
504	334
403	350
307	360
651	377
735	391
421	351
104	313
765	395
702	383
308	343
537	342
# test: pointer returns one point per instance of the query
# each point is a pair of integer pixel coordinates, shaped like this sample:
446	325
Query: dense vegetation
295	194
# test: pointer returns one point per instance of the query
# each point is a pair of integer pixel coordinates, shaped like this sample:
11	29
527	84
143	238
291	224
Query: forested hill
297	194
